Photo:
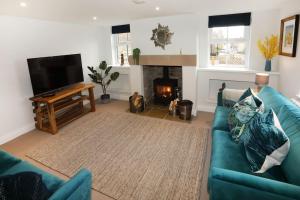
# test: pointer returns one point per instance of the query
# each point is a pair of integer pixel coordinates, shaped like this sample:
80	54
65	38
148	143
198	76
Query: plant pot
105	98
268	66
136	61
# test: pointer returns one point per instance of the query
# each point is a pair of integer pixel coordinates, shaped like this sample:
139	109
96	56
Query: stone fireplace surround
188	78
151	73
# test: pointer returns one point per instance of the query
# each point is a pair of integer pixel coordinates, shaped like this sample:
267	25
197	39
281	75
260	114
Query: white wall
184	27
290	67
210	81
191	35
264	23
22	38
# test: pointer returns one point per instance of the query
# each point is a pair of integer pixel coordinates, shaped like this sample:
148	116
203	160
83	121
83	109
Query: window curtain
120	29
241	19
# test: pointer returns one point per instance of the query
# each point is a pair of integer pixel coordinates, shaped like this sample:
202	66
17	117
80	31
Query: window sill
120	66
229	67
235	70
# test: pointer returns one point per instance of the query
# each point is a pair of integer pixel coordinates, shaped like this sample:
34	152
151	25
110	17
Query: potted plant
103	78
269	48
136	55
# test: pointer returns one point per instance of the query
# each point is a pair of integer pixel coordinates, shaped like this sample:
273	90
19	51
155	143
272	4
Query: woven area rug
130	157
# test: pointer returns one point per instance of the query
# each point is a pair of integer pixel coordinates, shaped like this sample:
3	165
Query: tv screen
49	74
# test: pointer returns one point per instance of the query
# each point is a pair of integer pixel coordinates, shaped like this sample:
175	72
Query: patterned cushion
266	144
243	112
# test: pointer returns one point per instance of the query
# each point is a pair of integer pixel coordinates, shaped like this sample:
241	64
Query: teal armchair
77	188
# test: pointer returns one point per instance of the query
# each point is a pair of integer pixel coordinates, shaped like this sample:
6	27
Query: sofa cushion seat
220	120
52	183
289	117
230	155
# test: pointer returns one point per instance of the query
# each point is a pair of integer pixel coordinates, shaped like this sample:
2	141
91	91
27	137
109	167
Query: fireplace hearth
164	88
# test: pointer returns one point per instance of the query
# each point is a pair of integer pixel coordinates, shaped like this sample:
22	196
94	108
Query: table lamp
261	80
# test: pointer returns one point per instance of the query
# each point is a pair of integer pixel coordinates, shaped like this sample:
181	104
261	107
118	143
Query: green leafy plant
136	55
103	77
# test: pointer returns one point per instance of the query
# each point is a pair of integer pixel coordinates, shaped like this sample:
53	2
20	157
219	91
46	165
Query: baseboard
16	133
123	97
203	108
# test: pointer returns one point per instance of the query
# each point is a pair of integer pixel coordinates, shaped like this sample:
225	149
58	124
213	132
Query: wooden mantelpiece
62	108
166	60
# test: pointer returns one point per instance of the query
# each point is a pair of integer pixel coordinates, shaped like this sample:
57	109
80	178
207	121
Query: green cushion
289	117
227	154
52	182
266	144
273	99
220	119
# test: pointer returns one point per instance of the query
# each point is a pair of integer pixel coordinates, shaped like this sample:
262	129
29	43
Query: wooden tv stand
62	108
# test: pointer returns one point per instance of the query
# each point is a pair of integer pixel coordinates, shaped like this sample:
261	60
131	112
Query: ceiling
118	11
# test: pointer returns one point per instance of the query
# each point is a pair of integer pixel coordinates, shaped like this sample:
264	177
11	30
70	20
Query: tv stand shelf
65	106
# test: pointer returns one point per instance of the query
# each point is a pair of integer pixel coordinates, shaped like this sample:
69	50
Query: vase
105	98
268	66
136	60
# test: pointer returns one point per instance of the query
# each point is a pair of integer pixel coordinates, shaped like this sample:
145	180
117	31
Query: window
229	39
121	45
229	46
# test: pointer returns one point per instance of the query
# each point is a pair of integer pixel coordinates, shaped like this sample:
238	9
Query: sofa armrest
78	187
227	184
7	161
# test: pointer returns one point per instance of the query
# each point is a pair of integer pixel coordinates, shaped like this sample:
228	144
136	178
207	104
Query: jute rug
130	157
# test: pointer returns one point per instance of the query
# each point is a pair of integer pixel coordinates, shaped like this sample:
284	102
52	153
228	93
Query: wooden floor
22	144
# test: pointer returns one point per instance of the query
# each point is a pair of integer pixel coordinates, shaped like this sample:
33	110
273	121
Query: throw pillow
266	144
242	113
231	96
24	185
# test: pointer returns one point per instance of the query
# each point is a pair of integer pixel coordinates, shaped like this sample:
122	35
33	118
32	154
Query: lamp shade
261	79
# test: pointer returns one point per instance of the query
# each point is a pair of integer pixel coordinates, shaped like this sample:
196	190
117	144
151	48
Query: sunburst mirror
161	36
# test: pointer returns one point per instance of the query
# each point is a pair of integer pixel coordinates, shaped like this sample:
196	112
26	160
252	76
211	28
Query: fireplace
164	88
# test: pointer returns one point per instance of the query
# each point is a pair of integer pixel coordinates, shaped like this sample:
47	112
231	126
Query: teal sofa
230	177
77	188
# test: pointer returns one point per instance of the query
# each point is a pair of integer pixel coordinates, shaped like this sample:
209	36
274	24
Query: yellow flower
269	48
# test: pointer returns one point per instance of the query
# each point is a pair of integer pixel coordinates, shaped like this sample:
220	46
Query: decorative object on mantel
289	36
261	80
161	36
136	103
103	78
136	56
122	59
269	49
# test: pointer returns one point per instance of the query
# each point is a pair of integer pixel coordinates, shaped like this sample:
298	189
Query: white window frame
115	44
246	39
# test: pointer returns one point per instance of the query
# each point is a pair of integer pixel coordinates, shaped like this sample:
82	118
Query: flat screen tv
50	74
